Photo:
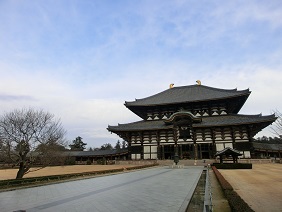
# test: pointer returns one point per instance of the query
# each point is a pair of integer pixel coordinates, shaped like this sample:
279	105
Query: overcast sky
81	60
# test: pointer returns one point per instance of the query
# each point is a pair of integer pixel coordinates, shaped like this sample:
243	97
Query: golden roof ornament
171	85
198	82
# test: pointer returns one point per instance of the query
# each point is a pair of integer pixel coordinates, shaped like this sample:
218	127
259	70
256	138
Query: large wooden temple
193	122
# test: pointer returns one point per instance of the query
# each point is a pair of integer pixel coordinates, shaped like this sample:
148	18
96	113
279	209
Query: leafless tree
277	126
27	135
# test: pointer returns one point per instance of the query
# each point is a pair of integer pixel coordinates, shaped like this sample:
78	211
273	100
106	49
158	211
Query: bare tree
27	135
277	127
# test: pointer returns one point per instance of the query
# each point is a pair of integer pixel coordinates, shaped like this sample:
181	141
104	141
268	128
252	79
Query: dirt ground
57	170
260	187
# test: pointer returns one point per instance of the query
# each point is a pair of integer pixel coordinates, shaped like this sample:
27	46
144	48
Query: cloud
5	97
82	60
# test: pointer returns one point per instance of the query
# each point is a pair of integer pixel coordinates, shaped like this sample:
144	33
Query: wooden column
180	154
213	142
142	145
129	140
195	145
175	138
200	148
158	145
233	137
163	154
250	138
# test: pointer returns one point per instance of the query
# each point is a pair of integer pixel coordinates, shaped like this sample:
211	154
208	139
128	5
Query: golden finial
171	85
198	82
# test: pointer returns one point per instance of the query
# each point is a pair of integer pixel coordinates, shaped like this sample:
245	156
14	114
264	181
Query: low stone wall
203	162
254	161
136	162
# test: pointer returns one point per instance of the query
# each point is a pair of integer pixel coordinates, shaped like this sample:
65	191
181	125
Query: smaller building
228	154
267	150
98	156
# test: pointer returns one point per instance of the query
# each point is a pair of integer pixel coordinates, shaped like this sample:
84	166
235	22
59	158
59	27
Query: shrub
70	161
233	165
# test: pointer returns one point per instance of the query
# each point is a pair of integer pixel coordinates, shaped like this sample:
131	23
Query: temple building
193	122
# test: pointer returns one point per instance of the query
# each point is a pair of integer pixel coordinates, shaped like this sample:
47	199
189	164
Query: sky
81	60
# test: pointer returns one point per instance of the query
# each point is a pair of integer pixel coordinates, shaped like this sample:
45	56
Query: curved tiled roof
184	94
209	121
228	151
235	119
96	153
267	146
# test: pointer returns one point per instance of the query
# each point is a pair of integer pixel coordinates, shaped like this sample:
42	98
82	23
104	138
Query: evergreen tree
123	144
106	146
78	144
117	146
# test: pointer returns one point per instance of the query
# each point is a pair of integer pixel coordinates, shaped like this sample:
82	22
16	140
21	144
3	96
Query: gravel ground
57	170
260	187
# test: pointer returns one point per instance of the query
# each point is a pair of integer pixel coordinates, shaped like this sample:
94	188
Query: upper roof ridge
188	93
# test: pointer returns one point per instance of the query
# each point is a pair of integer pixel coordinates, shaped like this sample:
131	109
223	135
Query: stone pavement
155	189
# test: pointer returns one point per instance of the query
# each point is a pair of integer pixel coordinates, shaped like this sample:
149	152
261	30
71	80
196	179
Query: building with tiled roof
192	121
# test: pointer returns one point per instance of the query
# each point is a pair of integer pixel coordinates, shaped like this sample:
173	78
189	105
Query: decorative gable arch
182	118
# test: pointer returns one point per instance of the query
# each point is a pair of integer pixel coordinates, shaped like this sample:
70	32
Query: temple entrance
168	151
168	155
205	151
205	155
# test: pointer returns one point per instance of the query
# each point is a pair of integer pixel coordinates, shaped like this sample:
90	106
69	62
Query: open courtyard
260	187
58	170
154	189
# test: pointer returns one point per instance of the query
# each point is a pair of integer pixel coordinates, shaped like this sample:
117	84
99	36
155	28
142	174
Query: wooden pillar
213	142
180	153
233	137
195	145
250	138
128	137
195	151
142	146
158	145
200	151
175	138
210	151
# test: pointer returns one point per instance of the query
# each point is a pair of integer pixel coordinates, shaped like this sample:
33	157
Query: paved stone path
155	189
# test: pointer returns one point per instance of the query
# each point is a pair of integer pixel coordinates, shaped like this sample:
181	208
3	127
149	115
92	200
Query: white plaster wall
219	147
228	145
146	149
135	156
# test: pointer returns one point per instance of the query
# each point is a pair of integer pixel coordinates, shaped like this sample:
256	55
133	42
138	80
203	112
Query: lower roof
208	121
96	153
267	146
228	151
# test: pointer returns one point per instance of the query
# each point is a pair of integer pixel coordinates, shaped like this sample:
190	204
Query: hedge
233	165
37	180
236	203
